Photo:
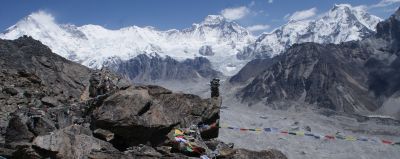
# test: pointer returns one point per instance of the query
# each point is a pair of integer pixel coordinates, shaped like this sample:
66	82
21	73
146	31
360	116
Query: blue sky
259	15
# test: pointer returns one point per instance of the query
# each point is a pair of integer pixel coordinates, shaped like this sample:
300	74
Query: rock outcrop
147	113
206	50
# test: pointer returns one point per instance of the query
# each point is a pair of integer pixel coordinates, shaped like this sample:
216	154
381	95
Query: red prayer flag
387	142
329	137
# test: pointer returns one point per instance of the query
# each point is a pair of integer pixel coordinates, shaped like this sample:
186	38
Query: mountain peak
352	14
340	24
39	17
36	21
342	9
341	6
213	19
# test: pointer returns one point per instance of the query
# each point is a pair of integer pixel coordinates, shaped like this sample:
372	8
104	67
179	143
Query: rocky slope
353	77
55	108
340	24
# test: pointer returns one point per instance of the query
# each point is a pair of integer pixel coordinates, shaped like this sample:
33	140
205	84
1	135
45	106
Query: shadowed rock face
51	107
351	77
329	75
390	31
29	59
250	70
385	73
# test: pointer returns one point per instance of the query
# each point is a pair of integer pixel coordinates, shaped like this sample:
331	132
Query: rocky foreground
54	108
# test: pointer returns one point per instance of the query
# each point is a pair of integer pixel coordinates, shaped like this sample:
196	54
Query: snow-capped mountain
340	24
227	45
94	45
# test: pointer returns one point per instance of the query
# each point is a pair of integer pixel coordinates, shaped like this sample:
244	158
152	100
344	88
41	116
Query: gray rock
10	90
78	143
50	101
103	134
206	50
5	152
40	126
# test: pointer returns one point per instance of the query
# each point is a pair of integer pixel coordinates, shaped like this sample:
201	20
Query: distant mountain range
359	77
342	23
94	46
227	45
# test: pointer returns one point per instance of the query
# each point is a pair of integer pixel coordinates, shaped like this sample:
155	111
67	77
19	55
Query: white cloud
270	1
258	27
384	3
304	14
235	13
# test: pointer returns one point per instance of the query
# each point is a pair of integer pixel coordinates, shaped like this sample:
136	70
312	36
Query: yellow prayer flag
178	132
350	138
300	133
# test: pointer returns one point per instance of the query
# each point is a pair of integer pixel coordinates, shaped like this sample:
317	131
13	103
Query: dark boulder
50	101
17	132
140	115
11	91
5	152
40	125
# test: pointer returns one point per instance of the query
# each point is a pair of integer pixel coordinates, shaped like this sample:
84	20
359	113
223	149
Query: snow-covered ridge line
340	24
93	45
225	43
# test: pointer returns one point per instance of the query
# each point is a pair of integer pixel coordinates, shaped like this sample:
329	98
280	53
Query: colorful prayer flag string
315	136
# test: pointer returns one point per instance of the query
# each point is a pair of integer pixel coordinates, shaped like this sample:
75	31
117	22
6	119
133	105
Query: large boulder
74	141
146	114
